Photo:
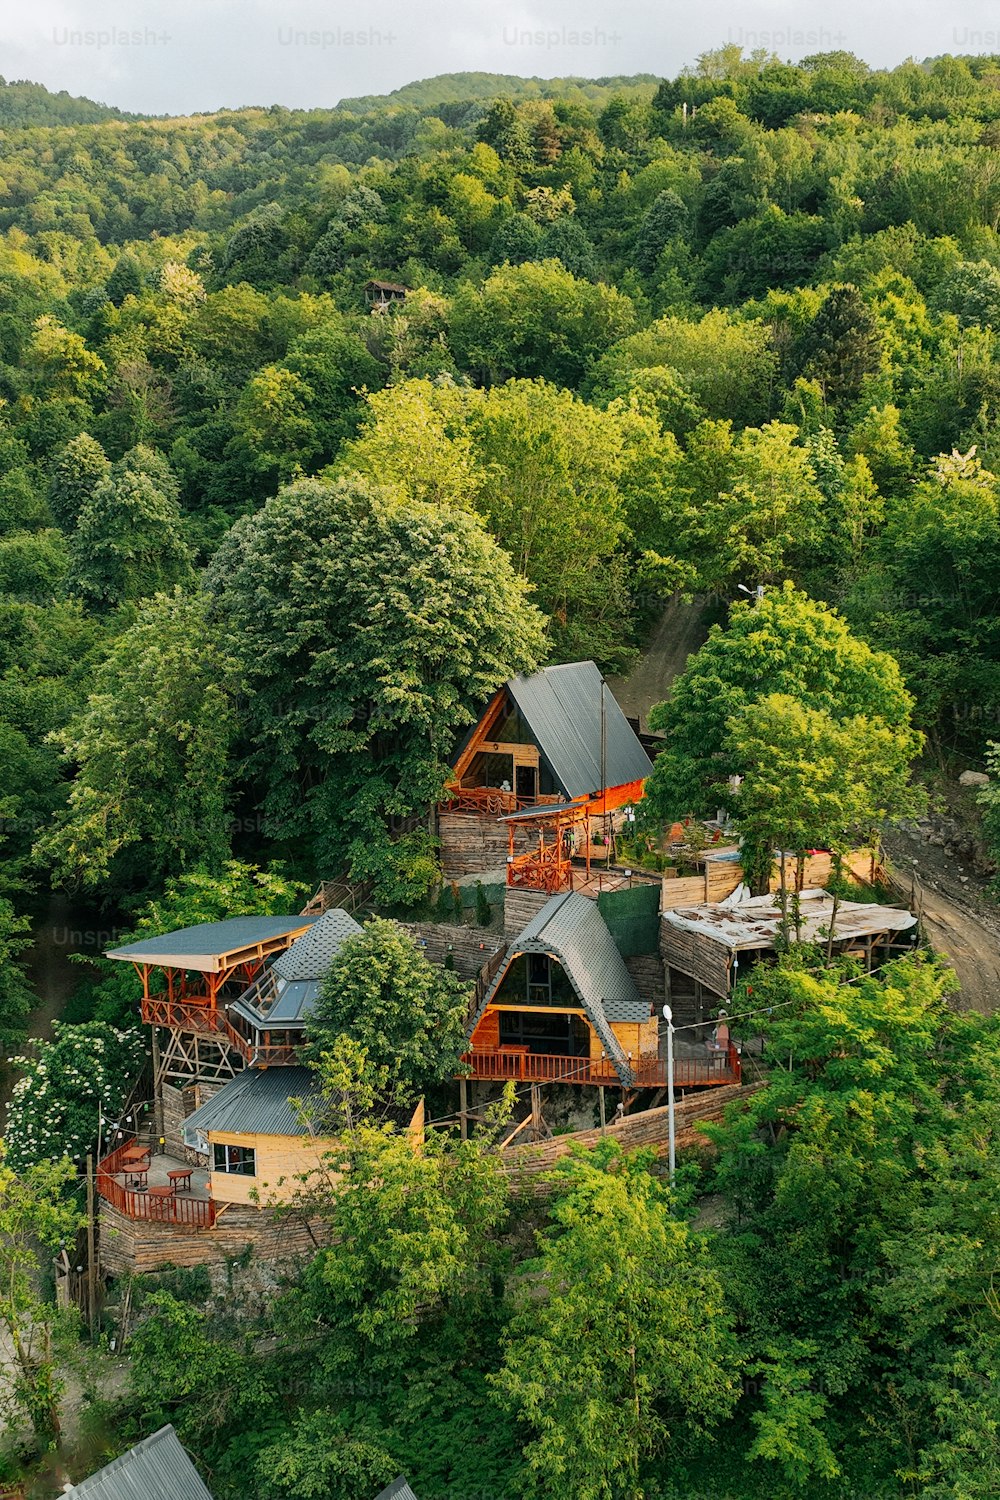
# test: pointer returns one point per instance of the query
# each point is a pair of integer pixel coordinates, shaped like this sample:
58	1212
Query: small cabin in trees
262	1135
562	1006
380	295
551	751
557	735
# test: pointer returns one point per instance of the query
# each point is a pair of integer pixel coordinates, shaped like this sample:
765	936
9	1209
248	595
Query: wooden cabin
267	1023
552	746
261	1147
188	979
562	1006
380	295
707	948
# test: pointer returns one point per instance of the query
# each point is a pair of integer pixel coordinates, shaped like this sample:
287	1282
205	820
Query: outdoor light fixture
668	1016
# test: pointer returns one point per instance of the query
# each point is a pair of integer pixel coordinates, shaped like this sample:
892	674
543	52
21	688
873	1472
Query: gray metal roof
570	929
285	992
273	1002
155	1469
257	1102
562	707
203	947
311	955
397	1490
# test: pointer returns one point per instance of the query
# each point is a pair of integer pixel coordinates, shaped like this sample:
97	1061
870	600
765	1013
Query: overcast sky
176	56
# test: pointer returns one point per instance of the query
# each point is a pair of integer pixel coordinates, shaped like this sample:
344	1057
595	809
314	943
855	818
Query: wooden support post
157	1085
91	1252
604	1116
463	1108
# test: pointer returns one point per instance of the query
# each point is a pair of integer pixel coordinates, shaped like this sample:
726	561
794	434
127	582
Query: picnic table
180	1180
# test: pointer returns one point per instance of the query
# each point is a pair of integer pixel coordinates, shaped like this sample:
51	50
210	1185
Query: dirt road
681	629
958	918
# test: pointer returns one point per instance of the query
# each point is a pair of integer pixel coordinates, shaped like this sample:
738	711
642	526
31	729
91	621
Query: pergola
197	963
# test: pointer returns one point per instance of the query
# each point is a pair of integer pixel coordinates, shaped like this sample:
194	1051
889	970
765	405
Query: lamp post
668	1016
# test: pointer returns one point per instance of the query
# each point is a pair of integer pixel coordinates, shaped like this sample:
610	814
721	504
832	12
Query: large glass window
536	979
240	1160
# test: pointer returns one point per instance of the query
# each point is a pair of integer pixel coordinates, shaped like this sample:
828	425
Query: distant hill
457	88
23	103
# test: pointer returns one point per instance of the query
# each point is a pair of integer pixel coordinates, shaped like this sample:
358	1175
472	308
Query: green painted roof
202	947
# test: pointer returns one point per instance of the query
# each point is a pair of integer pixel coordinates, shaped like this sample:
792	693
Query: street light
757	593
668	1016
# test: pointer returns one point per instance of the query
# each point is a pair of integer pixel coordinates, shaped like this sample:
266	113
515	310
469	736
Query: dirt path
681	629
958	918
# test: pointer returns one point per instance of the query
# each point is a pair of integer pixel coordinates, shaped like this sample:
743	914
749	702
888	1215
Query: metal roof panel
562	707
155	1469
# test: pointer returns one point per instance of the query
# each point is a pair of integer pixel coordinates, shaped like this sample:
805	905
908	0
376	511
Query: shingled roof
285	992
155	1469
562	708
570	929
397	1490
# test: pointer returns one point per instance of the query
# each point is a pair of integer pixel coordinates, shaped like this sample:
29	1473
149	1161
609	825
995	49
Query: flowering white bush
83	1075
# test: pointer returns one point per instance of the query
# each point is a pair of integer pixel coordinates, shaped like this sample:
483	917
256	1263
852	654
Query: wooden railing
485	978
183	1015
509	1064
196	1213
545	869
493	799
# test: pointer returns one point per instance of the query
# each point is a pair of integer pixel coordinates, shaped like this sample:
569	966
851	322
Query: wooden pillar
157	1084
91	1252
604	1117
463	1108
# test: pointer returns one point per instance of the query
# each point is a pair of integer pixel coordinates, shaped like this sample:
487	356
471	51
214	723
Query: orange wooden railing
197	1213
492	799
547	869
509	1064
183	1015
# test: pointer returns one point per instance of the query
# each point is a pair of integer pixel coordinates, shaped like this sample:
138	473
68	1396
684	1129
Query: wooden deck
195	1210
507	1065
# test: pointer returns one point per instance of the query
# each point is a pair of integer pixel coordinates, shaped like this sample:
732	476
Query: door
526	783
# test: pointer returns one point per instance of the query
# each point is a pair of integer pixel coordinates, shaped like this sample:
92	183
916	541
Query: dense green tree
151	751
537	320
76	474
370	631
129	540
618	1270
842	347
408	1015
784	643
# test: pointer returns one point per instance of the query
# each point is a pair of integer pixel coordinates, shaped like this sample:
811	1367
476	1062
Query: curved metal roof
570	929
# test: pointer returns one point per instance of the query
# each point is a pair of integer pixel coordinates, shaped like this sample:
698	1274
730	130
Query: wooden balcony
194	1210
191	1014
492	800
512	1064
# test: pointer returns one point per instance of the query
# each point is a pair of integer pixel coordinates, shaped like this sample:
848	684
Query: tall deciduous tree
129	540
371	632
151	751
623	1342
408	1014
786	643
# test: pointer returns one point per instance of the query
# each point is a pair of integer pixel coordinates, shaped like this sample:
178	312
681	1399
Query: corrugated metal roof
398	1490
203	946
311	955
155	1469
562	707
755	922
570	928
256	1102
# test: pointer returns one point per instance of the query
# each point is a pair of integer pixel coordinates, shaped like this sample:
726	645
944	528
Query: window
241	1160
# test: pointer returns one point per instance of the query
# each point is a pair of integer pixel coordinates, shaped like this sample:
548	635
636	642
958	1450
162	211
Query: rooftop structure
710	943
155	1469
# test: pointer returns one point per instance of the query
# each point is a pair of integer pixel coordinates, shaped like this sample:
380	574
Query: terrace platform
194	1207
